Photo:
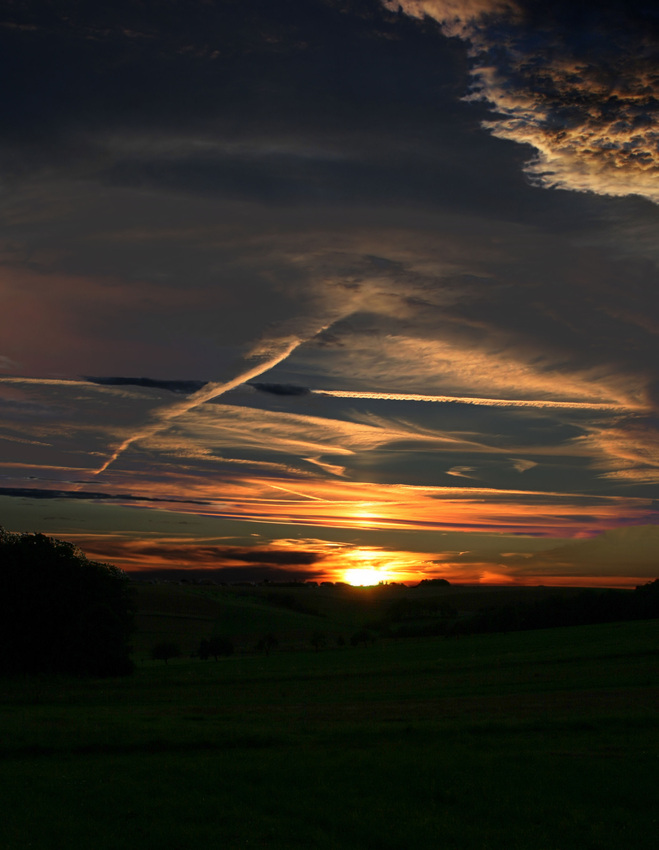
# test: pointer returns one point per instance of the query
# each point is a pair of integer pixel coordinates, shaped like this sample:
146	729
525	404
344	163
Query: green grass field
545	740
187	614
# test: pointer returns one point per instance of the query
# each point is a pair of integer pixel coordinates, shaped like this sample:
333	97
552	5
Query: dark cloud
209	554
86	495
226	575
280	389
185	387
246	100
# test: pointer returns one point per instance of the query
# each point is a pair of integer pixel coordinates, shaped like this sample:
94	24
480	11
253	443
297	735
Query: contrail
296	493
485	402
54	382
164	416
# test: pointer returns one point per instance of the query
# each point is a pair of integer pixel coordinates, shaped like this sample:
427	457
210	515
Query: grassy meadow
545	739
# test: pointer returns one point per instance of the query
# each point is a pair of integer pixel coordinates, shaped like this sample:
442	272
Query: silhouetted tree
318	640
215	646
165	650
361	637
59	611
646	600
267	643
433	582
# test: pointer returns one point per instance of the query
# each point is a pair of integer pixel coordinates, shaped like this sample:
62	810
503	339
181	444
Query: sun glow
365	576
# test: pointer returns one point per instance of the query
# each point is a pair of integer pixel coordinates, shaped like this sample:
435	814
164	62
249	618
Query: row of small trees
219	646
214	647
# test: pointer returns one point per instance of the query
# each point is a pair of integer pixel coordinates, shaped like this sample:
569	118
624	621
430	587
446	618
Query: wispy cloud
522	465
635	548
336	503
462	471
481	358
7	364
627	450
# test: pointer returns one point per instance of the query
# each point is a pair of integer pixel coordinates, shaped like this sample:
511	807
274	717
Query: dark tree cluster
318	640
363	637
165	650
433	617
215	647
291	602
59	611
267	643
420	609
587	607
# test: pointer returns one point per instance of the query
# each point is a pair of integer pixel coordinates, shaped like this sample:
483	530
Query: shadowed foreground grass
543	740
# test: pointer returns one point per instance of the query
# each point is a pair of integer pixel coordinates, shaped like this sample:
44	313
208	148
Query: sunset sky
297	287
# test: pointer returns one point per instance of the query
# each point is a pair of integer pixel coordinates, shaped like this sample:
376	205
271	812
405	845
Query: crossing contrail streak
162	418
485	402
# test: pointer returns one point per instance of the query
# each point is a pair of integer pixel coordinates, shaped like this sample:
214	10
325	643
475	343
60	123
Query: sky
295	289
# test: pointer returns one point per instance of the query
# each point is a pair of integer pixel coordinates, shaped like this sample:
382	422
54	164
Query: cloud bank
579	84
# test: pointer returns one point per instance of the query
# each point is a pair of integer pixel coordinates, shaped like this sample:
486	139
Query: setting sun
371	566
365	576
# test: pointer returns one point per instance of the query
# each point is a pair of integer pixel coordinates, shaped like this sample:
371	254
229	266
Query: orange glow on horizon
369	566
333	562
319	502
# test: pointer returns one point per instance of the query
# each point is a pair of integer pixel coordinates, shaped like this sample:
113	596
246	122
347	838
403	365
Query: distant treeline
436	616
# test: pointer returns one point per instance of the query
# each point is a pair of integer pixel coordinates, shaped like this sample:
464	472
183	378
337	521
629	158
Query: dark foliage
434	617
433	582
291	602
165	650
318	640
59	611
267	643
586	607
646	601
420	609
363	637
215	647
